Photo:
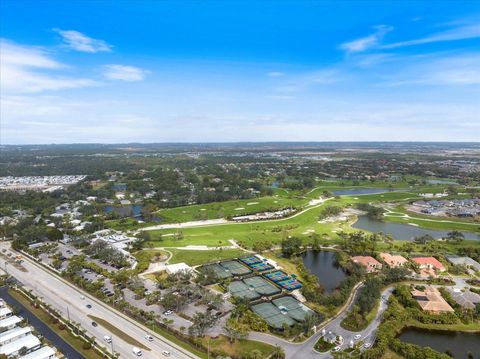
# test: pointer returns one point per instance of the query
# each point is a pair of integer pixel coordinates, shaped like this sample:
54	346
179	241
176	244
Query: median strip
117	332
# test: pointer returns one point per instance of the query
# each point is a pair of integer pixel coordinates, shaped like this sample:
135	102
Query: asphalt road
68	300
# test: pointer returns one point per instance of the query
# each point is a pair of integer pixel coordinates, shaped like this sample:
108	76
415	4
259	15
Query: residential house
392	260
429	263
430	300
371	264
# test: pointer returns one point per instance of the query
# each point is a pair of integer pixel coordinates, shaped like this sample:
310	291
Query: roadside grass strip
117	332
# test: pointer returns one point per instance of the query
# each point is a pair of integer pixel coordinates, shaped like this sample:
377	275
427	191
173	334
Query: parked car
336	349
167	312
367	345
356	337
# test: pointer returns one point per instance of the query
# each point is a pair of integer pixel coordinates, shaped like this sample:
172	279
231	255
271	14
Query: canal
40	326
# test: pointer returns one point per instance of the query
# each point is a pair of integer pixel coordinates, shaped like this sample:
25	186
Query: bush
86	346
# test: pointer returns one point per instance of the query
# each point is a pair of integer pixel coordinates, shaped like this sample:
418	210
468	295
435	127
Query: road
305	350
67	298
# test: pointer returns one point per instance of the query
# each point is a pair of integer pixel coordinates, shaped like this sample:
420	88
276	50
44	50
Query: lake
132	211
323	265
459	343
363	191
402	231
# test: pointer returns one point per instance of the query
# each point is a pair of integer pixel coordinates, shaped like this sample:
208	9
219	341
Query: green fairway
230	209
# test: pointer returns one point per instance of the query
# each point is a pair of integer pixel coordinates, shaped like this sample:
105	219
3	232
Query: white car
356	337
107	338
336	349
166	353
149	338
367	345
137	351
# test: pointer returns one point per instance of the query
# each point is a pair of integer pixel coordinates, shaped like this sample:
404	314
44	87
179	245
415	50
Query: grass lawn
118	332
195	257
240	348
75	342
322	346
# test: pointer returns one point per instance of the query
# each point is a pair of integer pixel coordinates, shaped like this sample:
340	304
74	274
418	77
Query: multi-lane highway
72	302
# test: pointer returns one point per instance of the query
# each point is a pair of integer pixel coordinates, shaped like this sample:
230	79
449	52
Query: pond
363	191
402	231
323	265
132	211
458	343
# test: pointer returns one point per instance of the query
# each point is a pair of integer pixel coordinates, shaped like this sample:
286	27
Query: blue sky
218	71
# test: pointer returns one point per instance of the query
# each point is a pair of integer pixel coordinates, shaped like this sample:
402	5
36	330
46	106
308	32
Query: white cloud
368	42
78	41
439	70
462	32
29	69
275	74
124	73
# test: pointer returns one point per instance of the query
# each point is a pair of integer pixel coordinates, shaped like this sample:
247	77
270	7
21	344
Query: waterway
40	326
460	344
402	231
323	265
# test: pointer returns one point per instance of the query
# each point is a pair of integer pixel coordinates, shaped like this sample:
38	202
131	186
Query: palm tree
278	352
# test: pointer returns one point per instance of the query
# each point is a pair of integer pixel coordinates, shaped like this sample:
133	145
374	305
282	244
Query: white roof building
13	334
42	353
29	342
5	312
178	267
10	322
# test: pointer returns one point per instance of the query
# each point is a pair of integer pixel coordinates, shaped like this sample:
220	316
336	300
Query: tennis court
218	270
235	267
290	284
240	290
277	276
261	286
261	267
251	260
252	288
272	315
293	308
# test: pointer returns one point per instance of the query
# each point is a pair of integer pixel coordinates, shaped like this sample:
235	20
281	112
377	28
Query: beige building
431	300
